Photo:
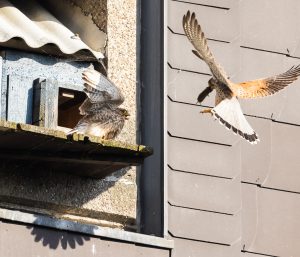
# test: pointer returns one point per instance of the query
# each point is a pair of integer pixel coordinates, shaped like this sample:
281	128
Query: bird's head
124	113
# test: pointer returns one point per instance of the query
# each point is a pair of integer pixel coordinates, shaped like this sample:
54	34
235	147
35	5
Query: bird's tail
229	114
72	131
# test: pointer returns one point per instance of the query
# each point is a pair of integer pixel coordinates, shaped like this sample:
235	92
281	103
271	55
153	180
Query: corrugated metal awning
37	28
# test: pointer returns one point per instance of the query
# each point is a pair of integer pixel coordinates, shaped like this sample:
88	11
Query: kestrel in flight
102	116
227	108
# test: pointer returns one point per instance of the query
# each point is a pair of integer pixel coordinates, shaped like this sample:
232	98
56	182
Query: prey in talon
227	108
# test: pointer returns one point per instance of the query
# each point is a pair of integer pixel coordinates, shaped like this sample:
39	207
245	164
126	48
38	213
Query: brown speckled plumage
227	109
102	116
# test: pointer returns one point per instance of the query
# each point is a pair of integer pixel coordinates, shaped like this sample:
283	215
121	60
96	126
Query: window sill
36	148
96	231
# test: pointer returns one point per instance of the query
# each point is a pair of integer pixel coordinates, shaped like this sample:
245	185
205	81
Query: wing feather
99	90
196	36
267	86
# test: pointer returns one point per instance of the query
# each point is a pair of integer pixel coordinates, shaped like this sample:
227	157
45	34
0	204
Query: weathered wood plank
45	107
19	99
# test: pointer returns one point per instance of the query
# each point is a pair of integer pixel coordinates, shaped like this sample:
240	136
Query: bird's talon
206	111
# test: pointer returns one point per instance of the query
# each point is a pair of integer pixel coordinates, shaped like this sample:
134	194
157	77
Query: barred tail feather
229	114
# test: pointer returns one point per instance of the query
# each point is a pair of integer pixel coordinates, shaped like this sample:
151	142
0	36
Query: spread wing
196	36
267	86
99	90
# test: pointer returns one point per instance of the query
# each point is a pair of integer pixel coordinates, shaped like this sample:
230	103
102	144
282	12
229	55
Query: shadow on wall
45	188
63	189
54	239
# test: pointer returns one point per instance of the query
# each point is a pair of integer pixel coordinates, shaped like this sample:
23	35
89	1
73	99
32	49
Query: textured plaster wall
121	52
97	9
111	201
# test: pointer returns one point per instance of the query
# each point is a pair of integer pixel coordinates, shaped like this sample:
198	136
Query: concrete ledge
37	148
47	221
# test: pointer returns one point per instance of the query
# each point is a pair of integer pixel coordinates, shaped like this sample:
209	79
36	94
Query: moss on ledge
33	146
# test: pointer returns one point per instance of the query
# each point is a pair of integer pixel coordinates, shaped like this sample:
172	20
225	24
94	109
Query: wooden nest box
40	96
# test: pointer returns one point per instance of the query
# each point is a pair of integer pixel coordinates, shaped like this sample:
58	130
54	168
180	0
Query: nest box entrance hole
68	103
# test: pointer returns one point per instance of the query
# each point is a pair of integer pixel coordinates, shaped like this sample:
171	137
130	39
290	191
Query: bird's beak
127	116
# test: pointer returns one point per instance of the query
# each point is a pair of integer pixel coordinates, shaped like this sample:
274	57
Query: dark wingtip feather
193	16
185	18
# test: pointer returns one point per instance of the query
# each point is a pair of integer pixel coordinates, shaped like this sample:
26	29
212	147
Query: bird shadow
46	188
53	238
58	193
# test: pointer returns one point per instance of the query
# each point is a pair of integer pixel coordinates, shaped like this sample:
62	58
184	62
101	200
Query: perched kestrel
102	116
227	108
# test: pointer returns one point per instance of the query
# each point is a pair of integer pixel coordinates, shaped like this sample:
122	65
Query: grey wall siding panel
257	165
256	159
246	254
269	171
216	23
180	55
283	105
289	102
203	158
185	87
200	126
249	214
271	25
270	221
285	162
226	4
38	241
290	105
274	162
204	192
258	64
191	248
204	226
